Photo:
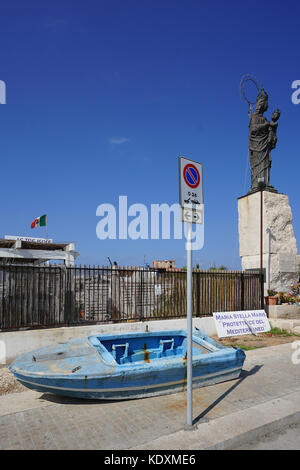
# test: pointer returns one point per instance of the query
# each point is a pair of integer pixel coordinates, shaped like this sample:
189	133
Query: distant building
168	265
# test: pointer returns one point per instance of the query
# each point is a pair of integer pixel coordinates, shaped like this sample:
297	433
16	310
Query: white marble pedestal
279	246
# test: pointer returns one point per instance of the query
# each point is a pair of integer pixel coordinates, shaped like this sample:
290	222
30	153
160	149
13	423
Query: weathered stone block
278	233
279	247
283	311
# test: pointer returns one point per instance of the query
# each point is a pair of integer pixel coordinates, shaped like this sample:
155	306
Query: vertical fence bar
262	290
242	291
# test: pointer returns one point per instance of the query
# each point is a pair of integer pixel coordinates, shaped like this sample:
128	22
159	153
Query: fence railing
44	296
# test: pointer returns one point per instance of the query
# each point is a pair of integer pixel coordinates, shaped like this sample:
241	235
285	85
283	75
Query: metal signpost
191	201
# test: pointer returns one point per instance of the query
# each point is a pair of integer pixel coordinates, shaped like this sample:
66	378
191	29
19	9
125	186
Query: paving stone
62	423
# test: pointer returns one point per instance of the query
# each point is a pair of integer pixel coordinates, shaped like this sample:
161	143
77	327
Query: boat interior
145	349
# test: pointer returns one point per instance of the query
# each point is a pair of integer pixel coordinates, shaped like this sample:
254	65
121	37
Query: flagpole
47	227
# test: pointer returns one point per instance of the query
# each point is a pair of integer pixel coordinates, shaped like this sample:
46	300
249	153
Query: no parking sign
191	176
191	190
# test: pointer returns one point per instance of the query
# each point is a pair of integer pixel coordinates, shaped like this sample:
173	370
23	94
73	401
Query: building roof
20	251
32	245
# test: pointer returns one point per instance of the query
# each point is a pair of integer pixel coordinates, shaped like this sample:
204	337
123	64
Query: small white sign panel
28	239
157	289
245	322
287	263
192	215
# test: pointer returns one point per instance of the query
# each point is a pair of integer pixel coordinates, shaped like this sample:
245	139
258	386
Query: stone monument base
281	262
286	312
266	188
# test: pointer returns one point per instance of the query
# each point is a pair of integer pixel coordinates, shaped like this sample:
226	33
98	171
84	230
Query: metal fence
32	296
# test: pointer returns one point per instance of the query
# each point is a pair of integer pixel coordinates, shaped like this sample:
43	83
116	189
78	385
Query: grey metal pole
261	185
261	230
189	326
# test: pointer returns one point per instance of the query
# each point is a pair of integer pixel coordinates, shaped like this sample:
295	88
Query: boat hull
94	391
100	377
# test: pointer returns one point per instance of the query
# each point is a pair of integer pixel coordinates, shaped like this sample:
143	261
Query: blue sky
102	97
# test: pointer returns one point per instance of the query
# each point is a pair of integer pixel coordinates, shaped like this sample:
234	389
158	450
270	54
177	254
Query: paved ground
288	439
30	420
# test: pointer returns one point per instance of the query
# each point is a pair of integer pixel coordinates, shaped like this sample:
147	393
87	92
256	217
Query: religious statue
262	139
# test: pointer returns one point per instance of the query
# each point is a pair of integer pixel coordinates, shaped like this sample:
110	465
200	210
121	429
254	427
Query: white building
35	251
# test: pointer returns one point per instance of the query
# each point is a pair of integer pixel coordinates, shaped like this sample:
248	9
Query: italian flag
39	221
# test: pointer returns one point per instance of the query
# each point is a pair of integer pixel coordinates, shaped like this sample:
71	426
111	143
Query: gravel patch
8	383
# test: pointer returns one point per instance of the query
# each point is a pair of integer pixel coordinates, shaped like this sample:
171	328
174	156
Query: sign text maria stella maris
244	322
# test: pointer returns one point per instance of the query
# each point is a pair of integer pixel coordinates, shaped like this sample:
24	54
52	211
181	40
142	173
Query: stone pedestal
279	248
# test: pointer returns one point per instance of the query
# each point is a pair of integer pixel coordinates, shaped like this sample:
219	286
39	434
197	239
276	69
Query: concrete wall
292	326
283	311
14	343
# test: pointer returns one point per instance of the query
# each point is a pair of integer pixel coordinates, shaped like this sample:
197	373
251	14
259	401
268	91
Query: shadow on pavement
64	400
243	376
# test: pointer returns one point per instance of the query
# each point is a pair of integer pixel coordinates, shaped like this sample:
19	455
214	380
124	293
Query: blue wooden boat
130	365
